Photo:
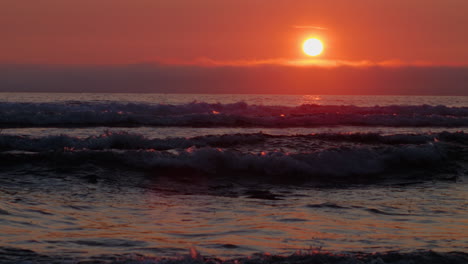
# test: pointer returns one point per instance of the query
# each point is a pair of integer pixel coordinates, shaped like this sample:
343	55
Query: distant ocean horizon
181	178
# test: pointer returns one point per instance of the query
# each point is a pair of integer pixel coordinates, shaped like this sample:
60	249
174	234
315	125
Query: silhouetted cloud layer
257	78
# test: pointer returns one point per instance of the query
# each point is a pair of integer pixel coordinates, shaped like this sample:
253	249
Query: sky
413	44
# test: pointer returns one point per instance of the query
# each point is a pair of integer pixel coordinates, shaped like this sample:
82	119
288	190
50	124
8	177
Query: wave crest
128	141
347	164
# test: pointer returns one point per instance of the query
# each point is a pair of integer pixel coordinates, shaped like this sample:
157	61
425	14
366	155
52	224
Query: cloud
262	77
309	27
327	63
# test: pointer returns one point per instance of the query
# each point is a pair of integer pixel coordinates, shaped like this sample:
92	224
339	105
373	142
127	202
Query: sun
312	47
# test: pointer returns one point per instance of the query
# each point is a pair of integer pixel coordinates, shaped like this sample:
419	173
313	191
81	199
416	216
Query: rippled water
74	214
232	191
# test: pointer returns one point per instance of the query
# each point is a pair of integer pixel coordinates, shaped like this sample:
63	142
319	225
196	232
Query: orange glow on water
181	221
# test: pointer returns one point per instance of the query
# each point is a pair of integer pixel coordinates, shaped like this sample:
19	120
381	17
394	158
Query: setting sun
312	47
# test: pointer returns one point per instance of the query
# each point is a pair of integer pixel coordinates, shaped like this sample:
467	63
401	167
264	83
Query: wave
342	164
123	140
74	114
17	255
128	141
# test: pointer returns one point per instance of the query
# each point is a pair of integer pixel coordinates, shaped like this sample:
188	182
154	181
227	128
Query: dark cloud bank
274	79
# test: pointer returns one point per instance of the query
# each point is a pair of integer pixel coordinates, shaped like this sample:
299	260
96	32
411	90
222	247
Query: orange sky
404	47
181	31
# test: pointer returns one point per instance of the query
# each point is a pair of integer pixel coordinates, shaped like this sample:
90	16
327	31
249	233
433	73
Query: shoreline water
12	255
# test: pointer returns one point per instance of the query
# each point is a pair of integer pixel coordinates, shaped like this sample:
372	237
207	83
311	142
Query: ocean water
165	178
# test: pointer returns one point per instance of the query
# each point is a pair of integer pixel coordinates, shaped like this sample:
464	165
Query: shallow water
73	214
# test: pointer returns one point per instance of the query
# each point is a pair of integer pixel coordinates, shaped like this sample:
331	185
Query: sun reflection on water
310	99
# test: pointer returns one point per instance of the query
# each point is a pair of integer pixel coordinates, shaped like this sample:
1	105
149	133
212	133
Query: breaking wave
347	164
73	114
128	141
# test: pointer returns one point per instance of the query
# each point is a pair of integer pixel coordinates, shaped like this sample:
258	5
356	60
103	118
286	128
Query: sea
216	178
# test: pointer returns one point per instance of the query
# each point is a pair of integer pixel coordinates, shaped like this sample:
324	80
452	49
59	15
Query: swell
79	114
128	141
